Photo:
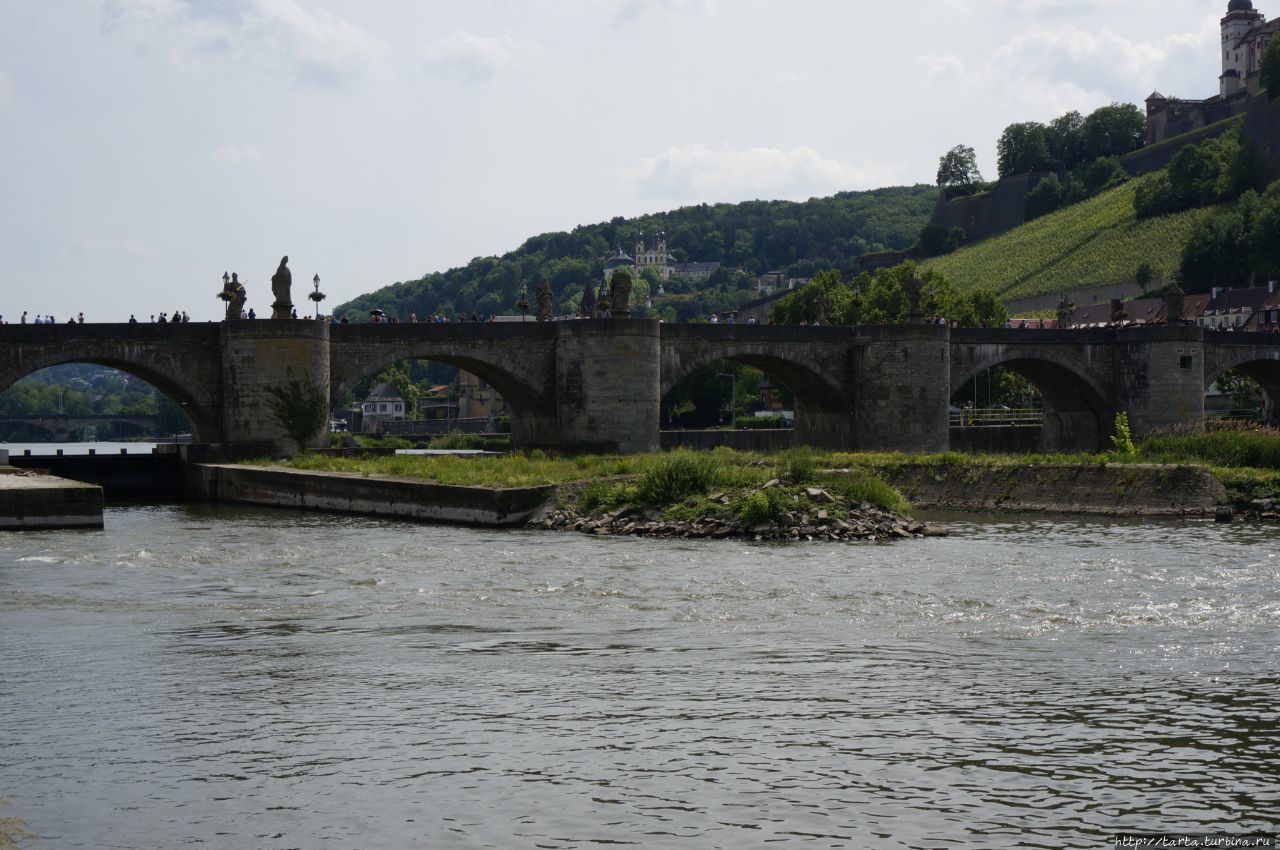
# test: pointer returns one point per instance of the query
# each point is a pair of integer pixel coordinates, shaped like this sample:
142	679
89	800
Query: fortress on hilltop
1246	33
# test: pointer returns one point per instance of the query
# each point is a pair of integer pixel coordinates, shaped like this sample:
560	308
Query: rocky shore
859	523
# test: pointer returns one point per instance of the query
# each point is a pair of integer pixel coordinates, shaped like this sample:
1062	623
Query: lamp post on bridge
317	296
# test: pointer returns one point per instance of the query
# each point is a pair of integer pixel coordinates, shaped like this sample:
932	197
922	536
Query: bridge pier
608	382
902	386
260	354
1160	379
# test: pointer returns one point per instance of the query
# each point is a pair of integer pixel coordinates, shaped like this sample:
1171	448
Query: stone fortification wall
1158	156
989	214
1262	125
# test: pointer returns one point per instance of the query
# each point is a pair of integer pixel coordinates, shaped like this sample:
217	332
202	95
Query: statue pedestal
280	310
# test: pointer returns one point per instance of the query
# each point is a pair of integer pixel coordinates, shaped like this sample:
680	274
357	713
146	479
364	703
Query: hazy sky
147	146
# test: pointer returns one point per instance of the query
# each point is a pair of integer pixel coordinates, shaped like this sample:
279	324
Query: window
382	408
1185	361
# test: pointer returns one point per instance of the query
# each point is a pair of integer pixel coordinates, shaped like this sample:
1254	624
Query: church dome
1240	6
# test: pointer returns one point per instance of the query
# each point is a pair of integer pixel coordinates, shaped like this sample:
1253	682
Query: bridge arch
824	413
1077	415
1263	366
518	363
201	412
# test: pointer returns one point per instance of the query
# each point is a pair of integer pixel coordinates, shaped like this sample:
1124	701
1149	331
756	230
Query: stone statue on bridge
912	288
281	286
234	296
1065	309
620	294
545	299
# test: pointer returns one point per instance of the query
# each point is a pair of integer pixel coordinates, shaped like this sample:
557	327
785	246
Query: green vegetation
1234	242
881	298
677	477
1097	242
301	407
676	481
959	167
1122	439
88	390
1212	172
1269	73
1071	140
749	239
1219	444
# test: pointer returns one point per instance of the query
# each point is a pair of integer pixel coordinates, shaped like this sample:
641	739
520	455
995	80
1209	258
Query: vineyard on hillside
1094	243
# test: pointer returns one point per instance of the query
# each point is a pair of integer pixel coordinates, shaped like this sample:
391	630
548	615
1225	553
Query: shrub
759	423
801	466
762	506
300	407
861	487
1233	444
676	477
1122	440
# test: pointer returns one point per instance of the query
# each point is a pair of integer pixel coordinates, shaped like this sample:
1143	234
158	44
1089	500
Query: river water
225	678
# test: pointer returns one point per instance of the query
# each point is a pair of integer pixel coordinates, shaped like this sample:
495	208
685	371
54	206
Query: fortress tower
1241	29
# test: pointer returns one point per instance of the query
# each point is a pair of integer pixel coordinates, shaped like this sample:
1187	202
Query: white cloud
317	49
1052	70
698	172
238	154
93	248
473	58
630	10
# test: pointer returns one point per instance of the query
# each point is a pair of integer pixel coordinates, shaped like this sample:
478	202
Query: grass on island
1097	242
1244	456
669	479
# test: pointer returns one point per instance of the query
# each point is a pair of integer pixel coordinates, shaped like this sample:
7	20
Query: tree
301	407
958	167
1143	276
1114	130
1066	140
1269	75
1023	147
1046	197
938	239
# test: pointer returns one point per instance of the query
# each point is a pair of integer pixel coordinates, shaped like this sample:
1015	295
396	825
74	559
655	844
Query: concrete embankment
388	496
1117	489
30	500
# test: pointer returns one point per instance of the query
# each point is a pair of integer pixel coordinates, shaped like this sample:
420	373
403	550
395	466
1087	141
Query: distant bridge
599	384
60	424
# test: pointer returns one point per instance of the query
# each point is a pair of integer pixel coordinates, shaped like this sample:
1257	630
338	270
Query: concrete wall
358	494
30	501
1090	489
155	477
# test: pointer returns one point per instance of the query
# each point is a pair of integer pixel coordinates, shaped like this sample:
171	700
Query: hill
1094	243
748	239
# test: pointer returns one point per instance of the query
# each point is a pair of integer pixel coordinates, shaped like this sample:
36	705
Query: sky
149	146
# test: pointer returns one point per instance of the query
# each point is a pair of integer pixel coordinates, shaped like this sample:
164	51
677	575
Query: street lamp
733	392
226	280
317	296
523	304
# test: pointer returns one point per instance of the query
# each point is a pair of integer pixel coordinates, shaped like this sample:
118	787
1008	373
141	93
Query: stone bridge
61	424
599	384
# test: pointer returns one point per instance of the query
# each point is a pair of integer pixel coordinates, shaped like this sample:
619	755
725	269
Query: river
242	678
